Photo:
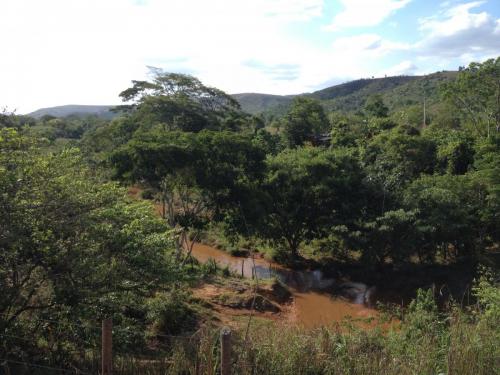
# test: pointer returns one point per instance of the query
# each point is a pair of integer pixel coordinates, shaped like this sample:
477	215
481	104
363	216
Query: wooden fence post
107	347
225	351
242	267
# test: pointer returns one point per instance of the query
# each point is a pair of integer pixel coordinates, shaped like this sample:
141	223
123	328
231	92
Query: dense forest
387	183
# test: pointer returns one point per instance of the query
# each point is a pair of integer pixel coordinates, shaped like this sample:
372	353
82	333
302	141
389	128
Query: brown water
313	306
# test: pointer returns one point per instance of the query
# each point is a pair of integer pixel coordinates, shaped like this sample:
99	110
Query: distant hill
397	92
102	111
256	103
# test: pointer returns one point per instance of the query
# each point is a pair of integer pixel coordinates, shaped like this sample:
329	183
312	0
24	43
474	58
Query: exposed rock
245	301
276	292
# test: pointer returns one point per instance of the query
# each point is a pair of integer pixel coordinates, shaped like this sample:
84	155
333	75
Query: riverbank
394	284
326	289
309	300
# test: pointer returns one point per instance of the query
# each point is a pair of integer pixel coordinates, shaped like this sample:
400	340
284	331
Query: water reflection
301	281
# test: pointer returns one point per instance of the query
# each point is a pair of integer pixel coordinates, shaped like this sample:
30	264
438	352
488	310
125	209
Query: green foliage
411	115
475	95
443	219
70	128
487	290
305	120
487	163
308	191
455	150
222	164
375	106
394	158
169	313
422	316
73	248
175	101
390	235
348	130
271	144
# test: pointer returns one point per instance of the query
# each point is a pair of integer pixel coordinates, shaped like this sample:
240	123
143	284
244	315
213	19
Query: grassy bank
427	342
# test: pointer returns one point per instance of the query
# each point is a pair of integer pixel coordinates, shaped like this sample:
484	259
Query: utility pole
424	86
424	111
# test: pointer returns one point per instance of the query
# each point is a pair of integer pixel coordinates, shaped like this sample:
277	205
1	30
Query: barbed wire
116	328
38	318
76	371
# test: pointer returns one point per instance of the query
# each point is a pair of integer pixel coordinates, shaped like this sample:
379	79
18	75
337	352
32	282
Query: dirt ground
231	303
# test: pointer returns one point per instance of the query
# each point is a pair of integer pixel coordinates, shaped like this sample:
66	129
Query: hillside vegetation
101	111
381	191
397	92
347	97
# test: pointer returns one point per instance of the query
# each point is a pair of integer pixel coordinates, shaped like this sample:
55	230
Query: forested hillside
397	92
358	187
101	111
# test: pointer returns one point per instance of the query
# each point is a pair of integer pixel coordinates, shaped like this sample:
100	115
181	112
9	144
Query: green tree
72	249
309	191
179	102
223	164
387	236
375	106
392	160
454	212
305	120
475	95
348	130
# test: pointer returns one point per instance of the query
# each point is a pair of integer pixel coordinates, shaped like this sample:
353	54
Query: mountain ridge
397	91
103	111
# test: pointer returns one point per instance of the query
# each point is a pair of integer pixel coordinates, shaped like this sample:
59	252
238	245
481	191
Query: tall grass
426	342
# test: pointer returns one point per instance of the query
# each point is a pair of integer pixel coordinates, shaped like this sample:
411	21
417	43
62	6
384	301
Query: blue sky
59	52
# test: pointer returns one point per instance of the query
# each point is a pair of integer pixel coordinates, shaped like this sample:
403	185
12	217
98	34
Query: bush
170	313
148	194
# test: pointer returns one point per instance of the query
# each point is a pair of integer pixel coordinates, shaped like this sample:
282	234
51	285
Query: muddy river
315	305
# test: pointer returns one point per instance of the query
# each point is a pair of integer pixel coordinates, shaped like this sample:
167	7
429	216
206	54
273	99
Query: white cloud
406	67
459	32
456	19
87	51
293	9
368	45
362	13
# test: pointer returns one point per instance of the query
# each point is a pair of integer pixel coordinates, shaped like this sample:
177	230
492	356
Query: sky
56	52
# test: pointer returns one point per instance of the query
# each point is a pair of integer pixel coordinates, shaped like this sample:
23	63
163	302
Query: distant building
321	139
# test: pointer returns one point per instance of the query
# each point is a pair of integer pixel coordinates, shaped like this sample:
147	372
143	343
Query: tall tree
376	107
309	191
305	120
72	248
178	102
476	95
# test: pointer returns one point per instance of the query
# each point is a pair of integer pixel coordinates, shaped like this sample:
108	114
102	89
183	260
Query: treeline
389	185
74	248
392	186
